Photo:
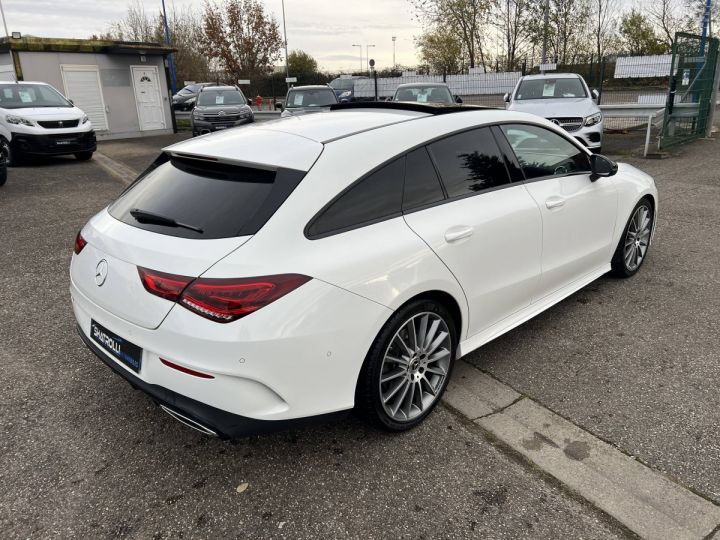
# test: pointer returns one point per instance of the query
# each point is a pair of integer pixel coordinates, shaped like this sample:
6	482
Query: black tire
12	158
368	401
619	265
3	175
83	156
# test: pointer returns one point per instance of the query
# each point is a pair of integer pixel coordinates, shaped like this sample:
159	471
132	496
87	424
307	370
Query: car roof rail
428	108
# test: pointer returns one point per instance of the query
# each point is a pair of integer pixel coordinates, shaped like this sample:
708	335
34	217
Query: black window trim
446	199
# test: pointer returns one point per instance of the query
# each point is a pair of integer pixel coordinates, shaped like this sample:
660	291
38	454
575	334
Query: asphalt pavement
635	362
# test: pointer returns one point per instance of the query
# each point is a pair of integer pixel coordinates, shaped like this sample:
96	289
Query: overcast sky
326	29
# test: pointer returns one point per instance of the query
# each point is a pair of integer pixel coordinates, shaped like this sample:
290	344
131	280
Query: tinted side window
544	153
469	162
422	186
376	197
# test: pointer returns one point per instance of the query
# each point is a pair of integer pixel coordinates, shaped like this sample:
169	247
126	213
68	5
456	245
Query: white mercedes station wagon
345	260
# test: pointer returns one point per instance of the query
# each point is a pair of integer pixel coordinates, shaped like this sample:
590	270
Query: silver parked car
308	99
425	93
565	100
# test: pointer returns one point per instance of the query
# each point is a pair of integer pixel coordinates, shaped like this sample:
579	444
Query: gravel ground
84	455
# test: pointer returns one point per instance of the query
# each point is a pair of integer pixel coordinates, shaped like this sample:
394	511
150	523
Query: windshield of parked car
310	98
424	94
20	96
221	97
342	84
551	89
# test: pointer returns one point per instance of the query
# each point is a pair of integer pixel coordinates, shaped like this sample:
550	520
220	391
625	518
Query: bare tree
514	20
603	22
185	36
669	17
468	19
137	25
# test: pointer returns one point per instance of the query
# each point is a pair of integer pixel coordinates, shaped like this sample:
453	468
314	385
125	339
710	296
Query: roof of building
106	46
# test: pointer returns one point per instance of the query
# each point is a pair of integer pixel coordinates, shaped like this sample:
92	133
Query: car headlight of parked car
19	120
84	119
346	94
197	115
594	119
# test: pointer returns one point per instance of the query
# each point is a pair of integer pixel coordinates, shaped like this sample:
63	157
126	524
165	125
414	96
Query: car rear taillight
80	243
221	300
168	286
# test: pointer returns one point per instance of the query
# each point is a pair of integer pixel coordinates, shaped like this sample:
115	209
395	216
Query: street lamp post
394	38
361	63
287	72
173	86
367	55
2	11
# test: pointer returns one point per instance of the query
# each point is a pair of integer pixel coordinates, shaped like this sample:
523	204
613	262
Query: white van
35	119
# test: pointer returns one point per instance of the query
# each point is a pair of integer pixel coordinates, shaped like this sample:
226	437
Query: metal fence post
602	78
714	95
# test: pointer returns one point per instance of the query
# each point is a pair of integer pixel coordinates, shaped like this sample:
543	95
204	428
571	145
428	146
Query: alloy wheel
415	366
637	238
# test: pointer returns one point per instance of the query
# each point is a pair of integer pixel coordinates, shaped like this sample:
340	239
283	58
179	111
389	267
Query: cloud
327	34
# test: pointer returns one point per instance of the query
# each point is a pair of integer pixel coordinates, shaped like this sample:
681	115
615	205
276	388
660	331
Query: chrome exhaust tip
190	423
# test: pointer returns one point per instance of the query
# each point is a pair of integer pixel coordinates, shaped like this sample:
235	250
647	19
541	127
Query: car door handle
454	234
554	202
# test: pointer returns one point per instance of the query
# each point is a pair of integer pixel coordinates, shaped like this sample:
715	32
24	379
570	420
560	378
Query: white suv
35	119
565	100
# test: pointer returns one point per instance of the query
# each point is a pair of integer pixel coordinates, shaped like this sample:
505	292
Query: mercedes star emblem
101	272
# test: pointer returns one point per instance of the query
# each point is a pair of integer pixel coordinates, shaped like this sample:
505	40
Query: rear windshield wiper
143	216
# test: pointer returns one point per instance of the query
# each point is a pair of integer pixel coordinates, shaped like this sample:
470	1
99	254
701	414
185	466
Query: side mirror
595	94
279	105
458	99
506	97
602	167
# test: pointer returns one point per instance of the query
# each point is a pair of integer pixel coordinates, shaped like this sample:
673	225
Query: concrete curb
645	501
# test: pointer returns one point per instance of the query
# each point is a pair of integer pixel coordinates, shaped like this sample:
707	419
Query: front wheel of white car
634	244
408	366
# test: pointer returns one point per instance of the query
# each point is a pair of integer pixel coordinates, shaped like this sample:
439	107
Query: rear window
206	200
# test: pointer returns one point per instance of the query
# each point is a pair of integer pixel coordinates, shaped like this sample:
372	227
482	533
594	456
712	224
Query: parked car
565	100
345	87
307	99
296	269
35	119
220	107
185	98
425	93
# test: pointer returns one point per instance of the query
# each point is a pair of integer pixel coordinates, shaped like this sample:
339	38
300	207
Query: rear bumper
55	144
216	422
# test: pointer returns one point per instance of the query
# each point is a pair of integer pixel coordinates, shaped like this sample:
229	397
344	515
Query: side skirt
507	324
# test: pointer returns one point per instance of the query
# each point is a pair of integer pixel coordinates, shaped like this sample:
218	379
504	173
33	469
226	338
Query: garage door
82	85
